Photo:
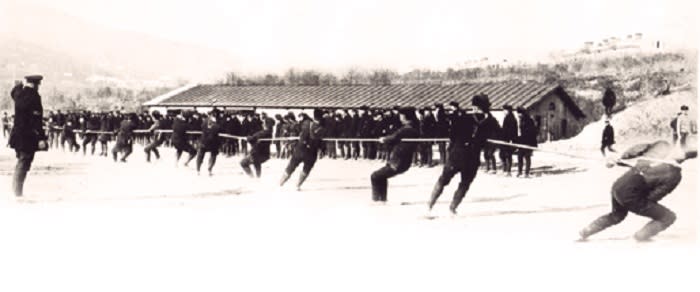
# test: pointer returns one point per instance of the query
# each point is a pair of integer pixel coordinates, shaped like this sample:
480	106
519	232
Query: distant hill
74	52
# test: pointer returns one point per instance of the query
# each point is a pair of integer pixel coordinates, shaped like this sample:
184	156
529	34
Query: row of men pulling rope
416	140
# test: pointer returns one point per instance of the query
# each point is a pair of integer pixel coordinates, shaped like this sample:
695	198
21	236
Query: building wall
554	119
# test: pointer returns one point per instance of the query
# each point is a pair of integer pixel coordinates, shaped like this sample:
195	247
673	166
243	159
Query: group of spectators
66	131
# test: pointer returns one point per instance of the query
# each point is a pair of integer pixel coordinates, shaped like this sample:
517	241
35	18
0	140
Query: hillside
642	121
70	50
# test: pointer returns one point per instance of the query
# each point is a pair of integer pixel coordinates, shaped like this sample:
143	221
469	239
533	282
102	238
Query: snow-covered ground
89	224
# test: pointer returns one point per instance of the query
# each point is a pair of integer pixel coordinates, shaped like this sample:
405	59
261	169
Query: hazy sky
325	34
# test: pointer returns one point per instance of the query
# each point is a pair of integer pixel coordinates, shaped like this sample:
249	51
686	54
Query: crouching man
640	189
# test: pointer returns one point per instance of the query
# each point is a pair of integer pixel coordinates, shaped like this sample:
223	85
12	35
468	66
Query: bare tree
271	80
382	77
310	78
291	77
231	78
329	79
352	77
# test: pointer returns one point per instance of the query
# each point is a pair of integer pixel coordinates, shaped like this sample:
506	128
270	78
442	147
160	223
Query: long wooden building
553	109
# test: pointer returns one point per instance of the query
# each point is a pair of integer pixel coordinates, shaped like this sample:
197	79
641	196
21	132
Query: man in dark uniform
260	150
355	133
105	133
179	139
441	130
509	133
291	130
306	149
125	138
427	130
69	135
468	134
234	129
401	153
60	122
279	130
330	125
640	189
528	137
92	123
608	138
27	135
209	141
377	129
158	124
490	154
385	130
365	130
246	130
609	100
5	125
347	132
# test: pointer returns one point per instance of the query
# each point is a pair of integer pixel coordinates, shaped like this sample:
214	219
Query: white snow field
89	224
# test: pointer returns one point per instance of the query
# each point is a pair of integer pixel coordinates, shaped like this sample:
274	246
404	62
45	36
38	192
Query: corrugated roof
376	96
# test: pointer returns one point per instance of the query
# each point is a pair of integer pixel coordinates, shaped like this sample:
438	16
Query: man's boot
653	228
459	194
285	177
302	178
18	182
437	191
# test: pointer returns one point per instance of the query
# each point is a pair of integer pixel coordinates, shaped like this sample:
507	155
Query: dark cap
318	114
481	101
36	79
409	112
454	104
522	110
684	108
507	107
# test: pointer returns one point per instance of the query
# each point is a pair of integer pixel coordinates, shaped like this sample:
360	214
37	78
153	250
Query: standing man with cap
509	133
609	100
442	126
608	138
528	136
468	134
5	125
400	153
27	135
684	126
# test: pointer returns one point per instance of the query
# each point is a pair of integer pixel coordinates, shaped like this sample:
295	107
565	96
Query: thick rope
413	140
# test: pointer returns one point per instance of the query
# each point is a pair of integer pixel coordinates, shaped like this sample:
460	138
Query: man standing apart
608	138
684	126
5	124
27	135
